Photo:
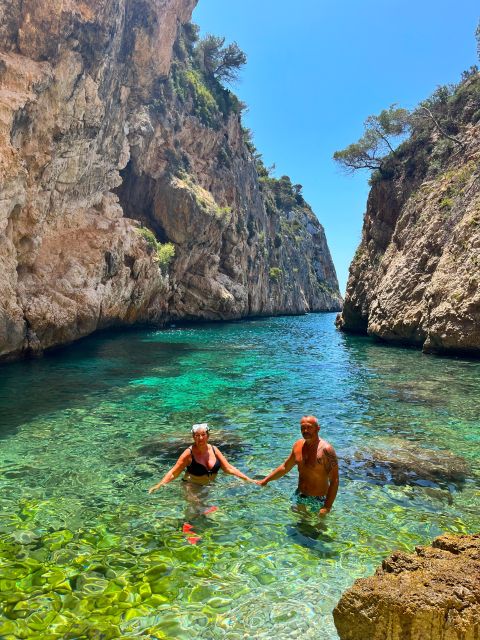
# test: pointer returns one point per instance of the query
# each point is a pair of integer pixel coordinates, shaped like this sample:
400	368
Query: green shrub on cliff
147	235
381	134
164	252
223	211
197	74
446	204
248	140
189	83
275	273
205	104
285	194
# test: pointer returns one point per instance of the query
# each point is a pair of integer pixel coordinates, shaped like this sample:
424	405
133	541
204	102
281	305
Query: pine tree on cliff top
223	63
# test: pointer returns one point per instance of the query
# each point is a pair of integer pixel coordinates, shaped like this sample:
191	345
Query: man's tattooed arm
328	459
331	462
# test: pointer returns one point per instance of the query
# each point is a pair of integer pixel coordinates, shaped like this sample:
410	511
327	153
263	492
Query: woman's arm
229	468
183	462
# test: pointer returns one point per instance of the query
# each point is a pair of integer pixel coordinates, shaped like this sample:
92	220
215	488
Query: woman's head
200	432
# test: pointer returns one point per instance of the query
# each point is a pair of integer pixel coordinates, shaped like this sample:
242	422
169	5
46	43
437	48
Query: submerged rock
166	451
402	462
433	594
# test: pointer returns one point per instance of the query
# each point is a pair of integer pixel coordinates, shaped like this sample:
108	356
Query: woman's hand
175	471
155	487
323	511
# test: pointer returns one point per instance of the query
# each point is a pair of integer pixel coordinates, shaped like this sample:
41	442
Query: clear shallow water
86	553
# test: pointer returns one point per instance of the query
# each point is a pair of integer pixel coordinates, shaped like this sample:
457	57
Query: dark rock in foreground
433	594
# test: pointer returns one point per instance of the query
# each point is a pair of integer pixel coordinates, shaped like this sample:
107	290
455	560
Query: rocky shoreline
432	594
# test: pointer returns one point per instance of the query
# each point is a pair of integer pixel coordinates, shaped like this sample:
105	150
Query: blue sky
317	69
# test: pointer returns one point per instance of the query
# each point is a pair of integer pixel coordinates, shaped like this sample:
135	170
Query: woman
201	462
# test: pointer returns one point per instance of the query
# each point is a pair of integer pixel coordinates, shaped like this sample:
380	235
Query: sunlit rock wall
90	137
415	277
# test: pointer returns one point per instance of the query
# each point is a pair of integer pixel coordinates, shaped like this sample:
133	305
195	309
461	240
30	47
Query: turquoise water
86	553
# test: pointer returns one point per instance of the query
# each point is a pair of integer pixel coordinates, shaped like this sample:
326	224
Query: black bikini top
198	469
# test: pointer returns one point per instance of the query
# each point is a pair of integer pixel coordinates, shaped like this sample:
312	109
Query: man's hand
323	511
262	483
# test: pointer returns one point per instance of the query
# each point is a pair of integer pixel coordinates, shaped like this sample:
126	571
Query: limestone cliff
431	595
100	136
415	277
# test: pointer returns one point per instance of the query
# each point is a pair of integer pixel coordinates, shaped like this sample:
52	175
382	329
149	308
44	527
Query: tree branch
440	129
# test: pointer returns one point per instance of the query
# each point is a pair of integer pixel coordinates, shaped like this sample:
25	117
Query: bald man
317	467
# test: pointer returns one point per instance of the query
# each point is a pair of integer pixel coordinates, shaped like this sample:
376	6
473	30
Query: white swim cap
199	426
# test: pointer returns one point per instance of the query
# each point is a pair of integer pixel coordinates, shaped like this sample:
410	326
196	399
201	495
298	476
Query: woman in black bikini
201	462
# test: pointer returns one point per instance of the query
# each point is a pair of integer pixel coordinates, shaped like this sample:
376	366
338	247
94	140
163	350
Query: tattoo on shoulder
329	459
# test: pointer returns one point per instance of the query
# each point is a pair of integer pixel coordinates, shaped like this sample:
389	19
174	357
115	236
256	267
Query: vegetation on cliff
435	123
199	69
377	142
164	251
415	277
198	74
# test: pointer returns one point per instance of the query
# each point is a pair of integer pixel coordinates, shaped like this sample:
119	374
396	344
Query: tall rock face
127	191
415	277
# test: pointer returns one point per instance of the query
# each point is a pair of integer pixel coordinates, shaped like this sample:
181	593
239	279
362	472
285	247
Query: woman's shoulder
216	450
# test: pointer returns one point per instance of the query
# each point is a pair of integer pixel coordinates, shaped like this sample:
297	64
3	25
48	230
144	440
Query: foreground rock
415	277
433	594
107	125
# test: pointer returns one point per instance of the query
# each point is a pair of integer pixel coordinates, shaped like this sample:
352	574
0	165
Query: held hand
262	483
323	511
155	487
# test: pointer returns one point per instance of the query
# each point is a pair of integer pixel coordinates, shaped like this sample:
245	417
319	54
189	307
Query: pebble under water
85	552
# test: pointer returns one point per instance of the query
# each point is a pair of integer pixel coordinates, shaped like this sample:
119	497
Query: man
317	466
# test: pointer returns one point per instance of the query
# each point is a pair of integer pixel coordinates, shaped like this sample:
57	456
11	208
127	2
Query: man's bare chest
314	460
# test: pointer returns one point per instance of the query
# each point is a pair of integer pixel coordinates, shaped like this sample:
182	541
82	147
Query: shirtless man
317	466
